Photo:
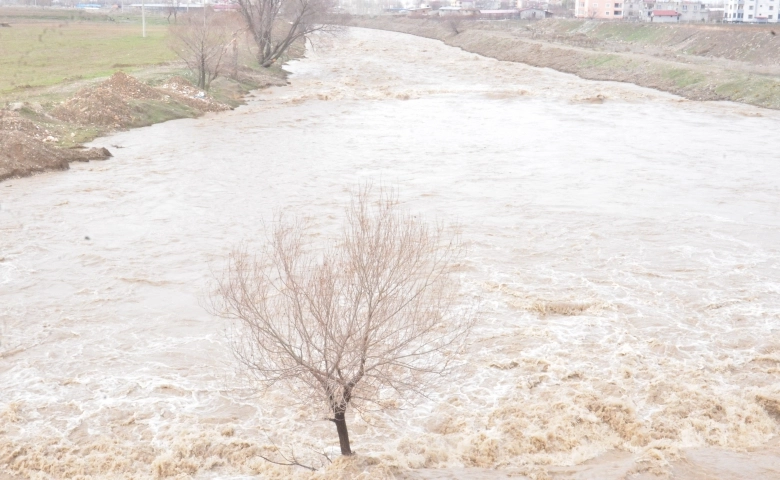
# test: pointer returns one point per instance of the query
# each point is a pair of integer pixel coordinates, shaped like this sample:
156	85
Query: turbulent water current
624	245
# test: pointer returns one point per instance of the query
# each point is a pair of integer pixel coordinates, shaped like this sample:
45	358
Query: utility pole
143	19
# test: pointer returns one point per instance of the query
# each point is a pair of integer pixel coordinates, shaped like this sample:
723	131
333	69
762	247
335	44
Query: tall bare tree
276	25
202	40
172	9
347	324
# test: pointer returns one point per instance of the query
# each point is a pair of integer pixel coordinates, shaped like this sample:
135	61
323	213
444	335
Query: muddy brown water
624	244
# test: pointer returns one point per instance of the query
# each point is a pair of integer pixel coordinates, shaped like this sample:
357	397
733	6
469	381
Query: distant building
464	4
716	14
664	16
444	11
636	10
751	11
689	11
532	13
499	14
598	9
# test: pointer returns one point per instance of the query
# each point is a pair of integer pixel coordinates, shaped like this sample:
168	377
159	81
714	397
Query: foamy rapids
622	244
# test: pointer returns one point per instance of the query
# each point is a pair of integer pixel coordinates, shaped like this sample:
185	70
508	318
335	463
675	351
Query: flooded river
624	243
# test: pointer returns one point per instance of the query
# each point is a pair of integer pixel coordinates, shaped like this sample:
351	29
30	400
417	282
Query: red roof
665	13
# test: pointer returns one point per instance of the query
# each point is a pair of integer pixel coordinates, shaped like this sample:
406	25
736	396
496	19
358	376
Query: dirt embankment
700	62
26	148
34	139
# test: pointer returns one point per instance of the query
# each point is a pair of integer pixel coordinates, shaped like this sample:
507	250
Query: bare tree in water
347	325
276	25
202	40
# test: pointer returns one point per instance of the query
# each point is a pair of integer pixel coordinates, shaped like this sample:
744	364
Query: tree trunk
341	428
202	76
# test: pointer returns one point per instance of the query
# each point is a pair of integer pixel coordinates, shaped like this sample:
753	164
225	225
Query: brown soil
23	152
119	101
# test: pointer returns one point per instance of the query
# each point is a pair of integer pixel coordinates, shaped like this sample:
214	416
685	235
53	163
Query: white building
689	11
664	16
614	10
598	9
751	11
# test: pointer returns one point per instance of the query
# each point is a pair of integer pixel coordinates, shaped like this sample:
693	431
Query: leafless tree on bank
276	25
371	316
172	10
202	40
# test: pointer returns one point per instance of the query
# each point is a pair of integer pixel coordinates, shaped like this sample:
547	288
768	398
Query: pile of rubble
107	103
119	102
184	92
24	151
114	102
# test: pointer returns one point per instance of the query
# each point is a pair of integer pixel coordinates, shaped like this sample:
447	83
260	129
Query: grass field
42	52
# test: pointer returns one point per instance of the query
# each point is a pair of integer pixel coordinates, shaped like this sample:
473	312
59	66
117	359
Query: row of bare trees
371	316
205	39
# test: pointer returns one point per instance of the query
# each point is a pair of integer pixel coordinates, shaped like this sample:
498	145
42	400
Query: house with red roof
664	16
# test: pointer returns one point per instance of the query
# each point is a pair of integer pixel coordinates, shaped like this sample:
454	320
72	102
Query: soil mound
185	92
107	103
22	154
117	102
12	121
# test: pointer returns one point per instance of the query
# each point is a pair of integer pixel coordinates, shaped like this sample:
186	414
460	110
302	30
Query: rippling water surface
625	244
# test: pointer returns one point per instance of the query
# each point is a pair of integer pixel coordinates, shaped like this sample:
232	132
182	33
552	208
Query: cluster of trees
208	41
347	325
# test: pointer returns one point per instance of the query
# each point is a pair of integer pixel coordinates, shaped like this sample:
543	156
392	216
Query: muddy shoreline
697	62
36	139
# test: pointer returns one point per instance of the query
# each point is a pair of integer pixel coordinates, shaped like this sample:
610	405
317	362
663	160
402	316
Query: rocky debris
24	149
12	121
119	102
183	91
114	102
107	103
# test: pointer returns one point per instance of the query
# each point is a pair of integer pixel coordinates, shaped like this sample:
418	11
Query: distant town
735	11
655	11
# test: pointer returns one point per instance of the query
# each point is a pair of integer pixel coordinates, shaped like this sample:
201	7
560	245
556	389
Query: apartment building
598	9
629	9
751	11
642	9
689	11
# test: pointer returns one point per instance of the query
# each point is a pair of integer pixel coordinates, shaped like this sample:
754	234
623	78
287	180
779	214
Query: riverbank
73	87
737	63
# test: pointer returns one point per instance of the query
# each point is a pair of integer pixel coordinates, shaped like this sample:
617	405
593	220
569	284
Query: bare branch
276	25
203	40
375	313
